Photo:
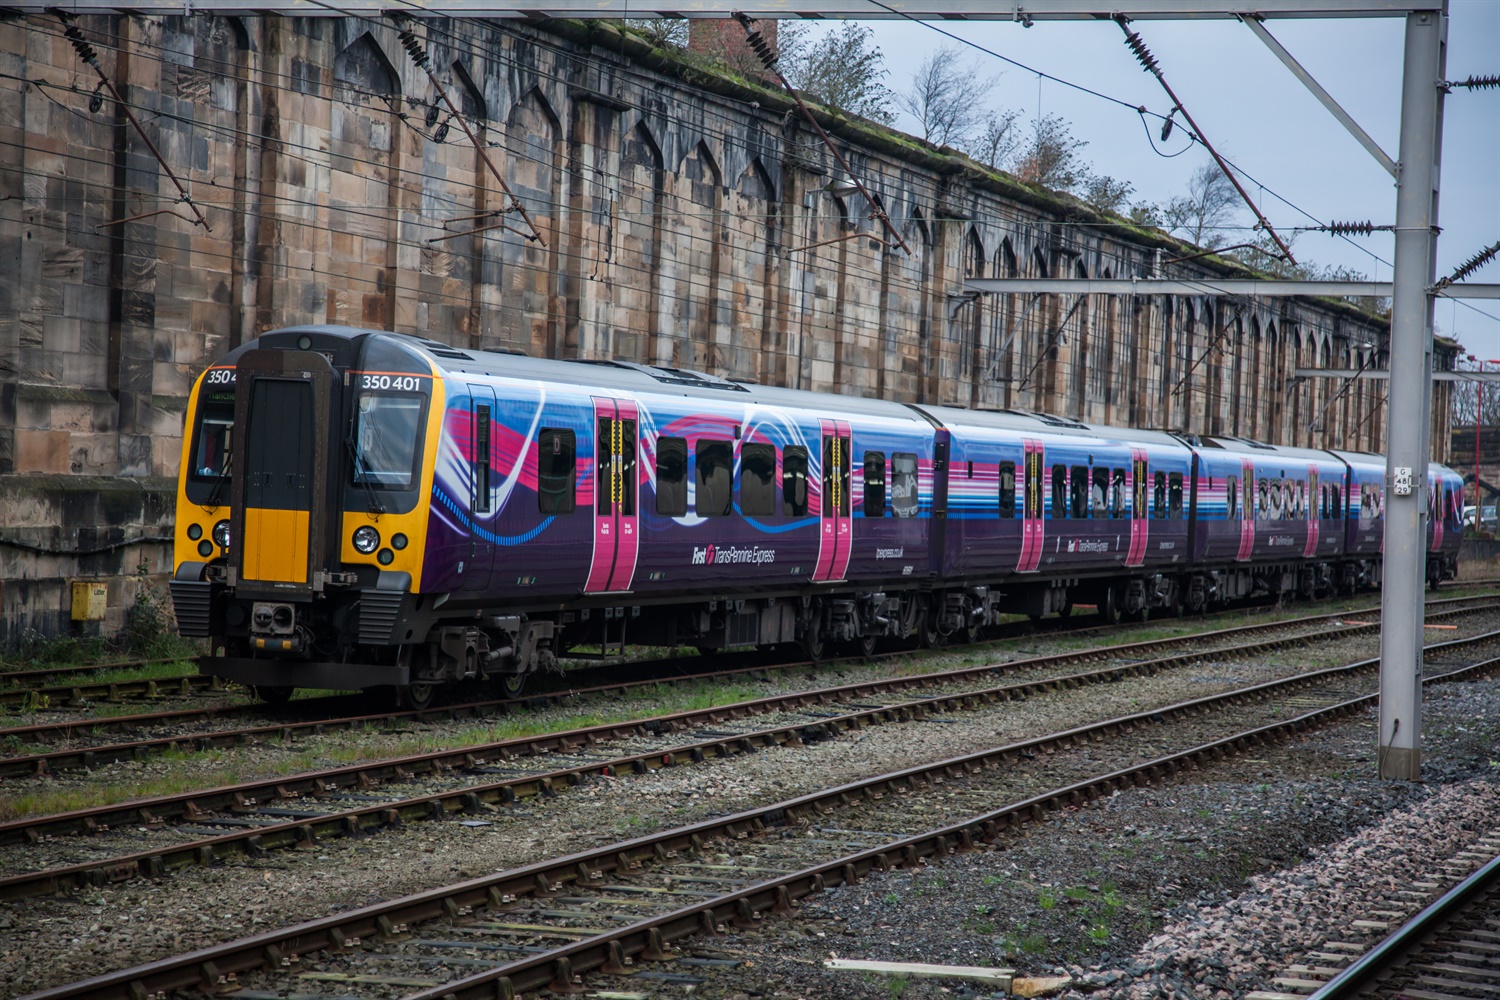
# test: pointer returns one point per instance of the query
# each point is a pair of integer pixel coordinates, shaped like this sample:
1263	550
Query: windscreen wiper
360	471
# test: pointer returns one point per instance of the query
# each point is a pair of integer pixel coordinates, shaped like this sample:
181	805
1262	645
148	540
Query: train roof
621	375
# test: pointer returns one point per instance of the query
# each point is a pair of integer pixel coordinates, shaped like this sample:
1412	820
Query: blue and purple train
360	509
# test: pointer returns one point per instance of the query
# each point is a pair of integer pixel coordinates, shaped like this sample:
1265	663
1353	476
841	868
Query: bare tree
1106	194
947	98
840	69
1208	206
1053	159
998	139
661	31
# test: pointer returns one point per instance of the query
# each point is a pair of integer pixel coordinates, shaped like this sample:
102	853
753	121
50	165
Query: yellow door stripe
275	545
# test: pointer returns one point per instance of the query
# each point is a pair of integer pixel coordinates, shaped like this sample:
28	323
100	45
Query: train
361	509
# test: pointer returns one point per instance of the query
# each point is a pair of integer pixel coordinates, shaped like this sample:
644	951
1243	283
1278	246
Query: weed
897	986
891	897
1046	899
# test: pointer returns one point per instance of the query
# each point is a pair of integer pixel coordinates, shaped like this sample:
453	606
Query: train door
1033	520
1247	510
283	403
481	489
835	526
1140	515
1313	510
616	496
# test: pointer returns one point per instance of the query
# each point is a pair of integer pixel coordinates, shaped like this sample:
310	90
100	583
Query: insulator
1480	82
81	45
1473	264
432	114
1350	228
414	48
763	50
1138	46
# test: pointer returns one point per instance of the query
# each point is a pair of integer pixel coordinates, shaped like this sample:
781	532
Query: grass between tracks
178	771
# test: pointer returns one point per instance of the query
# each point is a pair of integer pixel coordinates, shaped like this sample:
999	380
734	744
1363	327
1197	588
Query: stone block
41	451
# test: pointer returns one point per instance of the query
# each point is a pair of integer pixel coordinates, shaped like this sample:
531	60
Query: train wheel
274	694
417	696
1066	611
1109	606
866	645
812	643
511	685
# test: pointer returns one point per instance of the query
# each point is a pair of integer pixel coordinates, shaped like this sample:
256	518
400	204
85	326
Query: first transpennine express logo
713	555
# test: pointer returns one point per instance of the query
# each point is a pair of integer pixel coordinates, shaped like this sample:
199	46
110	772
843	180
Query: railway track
603	911
17	693
94	753
1447	951
175	831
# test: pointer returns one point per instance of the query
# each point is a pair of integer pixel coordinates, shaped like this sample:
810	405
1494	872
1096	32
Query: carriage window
1059	492
1117	494
1080	491
1159	495
671	476
794	481
875	483
1262	501
1232	508
386	440
1099	492
1174	496
758	480
1335	501
904	484
482	459
1007	489
715	479
556	471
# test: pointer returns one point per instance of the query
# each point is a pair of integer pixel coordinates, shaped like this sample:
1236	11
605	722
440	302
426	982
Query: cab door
280	480
616	496
835	524
1247	509
1140	514
482	412
1313	511
1033	520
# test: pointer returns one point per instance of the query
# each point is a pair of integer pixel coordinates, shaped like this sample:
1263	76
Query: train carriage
361	509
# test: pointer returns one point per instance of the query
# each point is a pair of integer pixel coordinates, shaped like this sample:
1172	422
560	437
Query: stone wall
675	213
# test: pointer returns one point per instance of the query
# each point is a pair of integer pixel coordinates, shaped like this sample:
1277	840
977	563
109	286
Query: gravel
1135	897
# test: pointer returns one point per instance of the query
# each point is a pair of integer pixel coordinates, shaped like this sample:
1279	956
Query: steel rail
59	670
304	830
79	693
204	968
1410	936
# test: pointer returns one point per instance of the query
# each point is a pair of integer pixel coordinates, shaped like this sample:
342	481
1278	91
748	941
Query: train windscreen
386	439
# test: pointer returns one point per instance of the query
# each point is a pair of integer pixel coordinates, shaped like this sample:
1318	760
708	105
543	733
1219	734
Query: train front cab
302	453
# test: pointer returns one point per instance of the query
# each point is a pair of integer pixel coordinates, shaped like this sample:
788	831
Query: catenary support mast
1410	409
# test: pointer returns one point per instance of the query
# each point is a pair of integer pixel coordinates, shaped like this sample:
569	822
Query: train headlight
195	531
366	540
221	534
398	541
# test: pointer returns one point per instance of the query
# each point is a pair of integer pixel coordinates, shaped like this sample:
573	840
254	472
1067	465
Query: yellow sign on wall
89	601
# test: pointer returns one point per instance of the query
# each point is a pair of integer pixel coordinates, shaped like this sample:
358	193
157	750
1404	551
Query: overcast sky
1263	119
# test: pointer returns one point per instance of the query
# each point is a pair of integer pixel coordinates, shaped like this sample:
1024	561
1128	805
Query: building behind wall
682	217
